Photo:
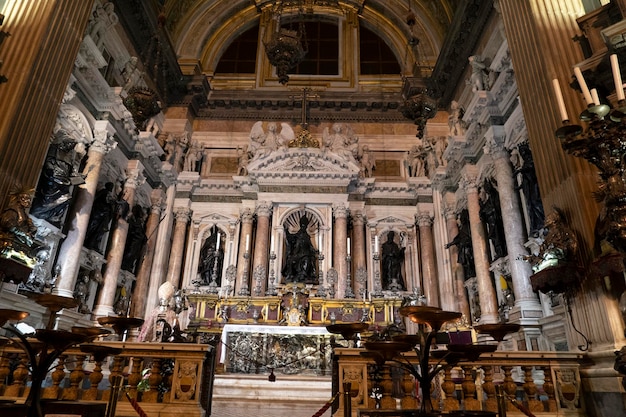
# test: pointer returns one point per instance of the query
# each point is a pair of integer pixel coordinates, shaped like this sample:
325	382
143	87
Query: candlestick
583	85
559	99
617	78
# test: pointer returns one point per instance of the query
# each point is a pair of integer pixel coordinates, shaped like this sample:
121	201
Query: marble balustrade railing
546	383
158	376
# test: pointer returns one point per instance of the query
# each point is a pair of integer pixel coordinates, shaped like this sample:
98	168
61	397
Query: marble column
514	232
261	248
359	270
106	297
70	251
427	255
340	251
140	293
459	300
182	217
486	291
242	286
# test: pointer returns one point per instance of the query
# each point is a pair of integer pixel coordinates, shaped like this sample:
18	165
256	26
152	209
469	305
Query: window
376	57
240	56
322	39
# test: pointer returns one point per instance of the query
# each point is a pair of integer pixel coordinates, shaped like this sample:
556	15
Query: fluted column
459	296
140	293
359	276
182	216
340	247
486	291
513	226
261	247
104	306
427	253
70	251
242	286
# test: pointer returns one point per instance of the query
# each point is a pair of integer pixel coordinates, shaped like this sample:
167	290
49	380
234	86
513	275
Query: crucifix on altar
304	138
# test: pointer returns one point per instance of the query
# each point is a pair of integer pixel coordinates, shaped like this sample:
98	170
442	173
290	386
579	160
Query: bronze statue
392	260
17	231
301	255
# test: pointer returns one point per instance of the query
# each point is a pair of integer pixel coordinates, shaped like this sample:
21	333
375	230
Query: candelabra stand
331	279
271	288
213	284
378	290
349	292
321	290
258	275
245	288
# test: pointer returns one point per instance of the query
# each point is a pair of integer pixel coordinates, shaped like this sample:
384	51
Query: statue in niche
193	158
301	256
17	231
211	259
368	163
491	215
463	243
101	216
439	145
522	160
58	175
392	261
135	240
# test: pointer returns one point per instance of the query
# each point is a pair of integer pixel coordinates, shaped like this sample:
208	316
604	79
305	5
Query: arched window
240	56
376	57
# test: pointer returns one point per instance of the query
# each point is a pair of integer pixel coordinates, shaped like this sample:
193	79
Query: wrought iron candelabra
378	290
321	291
213	289
271	288
245	288
349	293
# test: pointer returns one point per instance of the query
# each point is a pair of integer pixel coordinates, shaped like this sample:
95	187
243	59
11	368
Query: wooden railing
545	383
163	378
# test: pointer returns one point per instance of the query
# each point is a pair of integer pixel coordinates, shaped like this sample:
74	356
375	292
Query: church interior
313	207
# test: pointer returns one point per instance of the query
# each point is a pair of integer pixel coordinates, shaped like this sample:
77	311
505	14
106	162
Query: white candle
272	244
376	244
348	246
319	241
617	77
247	242
559	99
217	247
583	85
595	97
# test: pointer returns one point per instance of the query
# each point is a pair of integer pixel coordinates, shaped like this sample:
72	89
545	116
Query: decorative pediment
303	166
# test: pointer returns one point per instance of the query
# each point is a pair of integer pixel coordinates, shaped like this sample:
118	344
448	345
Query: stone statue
560	244
523	163
342	141
242	160
392	261
456	124
135	240
81	294
415	161
301	256
368	163
104	18
39	275
491	215
192	158
17	231
259	146
463	242
58	175
101	216
208	258
439	144
479	73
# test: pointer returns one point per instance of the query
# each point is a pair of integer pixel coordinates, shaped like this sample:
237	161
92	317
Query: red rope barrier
326	406
136	406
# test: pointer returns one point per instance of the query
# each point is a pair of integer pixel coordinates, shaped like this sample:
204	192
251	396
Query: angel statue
342	141
263	143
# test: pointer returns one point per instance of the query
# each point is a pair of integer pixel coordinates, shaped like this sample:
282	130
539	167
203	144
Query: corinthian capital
182	214
469	179
263	209
340	212
424	219
103	141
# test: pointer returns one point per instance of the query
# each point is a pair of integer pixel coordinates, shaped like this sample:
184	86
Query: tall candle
559	99
217	247
595	97
376	244
583	85
319	241
247	242
617	77
272	244
348	245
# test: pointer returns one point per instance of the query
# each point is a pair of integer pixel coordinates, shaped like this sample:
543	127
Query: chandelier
418	104
288	46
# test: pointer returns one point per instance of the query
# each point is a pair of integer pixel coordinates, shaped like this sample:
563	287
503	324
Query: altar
282	349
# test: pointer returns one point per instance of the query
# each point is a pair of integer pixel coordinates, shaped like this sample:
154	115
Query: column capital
424	219
263	209
247	216
494	144
469	178
340	211
182	214
358	218
103	141
134	174
157	198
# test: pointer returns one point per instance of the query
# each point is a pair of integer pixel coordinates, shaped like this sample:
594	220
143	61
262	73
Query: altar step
237	395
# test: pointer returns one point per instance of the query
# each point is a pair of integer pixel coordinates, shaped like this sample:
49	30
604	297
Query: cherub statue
479	73
415	161
456	124
343	141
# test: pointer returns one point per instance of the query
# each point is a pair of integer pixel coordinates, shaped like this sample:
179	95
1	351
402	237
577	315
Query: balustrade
159	376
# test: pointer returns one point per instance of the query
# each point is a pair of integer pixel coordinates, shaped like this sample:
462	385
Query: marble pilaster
427	254
340	251
106	297
457	300
70	251
261	247
486	291
514	232
242	285
140	293
182	216
358	257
